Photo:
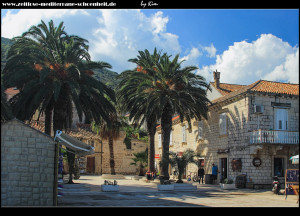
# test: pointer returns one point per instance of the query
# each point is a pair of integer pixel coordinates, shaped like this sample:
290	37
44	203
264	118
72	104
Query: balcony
274	137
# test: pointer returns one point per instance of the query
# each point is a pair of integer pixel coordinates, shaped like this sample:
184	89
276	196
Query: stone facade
225	138
98	163
27	166
122	155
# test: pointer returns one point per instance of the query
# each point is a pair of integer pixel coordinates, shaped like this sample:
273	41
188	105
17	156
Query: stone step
114	177
184	187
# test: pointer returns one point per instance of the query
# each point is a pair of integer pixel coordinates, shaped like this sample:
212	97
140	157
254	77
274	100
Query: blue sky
244	44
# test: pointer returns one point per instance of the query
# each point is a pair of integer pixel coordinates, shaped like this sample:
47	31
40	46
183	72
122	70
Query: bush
228	181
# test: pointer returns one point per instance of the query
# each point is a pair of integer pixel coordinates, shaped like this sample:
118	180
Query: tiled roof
226	88
265	87
276	87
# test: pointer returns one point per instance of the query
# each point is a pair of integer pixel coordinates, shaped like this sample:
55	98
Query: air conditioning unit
258	109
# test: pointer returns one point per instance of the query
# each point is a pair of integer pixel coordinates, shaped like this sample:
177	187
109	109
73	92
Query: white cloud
287	70
266	58
114	35
192	58
211	51
158	22
14	24
122	33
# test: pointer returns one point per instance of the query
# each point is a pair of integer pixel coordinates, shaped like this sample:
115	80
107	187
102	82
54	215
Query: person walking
214	172
201	174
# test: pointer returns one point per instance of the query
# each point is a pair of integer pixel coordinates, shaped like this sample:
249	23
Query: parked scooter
276	185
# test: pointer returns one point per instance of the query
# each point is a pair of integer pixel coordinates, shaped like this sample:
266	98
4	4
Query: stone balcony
274	137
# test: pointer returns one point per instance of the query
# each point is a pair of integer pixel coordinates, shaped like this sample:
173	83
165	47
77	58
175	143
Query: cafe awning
76	146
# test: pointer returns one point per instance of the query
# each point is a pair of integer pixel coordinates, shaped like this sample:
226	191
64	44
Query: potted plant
227	184
110	186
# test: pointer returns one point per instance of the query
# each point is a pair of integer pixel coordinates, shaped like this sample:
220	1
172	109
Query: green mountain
5	45
106	76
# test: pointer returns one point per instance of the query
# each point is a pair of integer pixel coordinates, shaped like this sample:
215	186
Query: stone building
98	163
251	129
27	166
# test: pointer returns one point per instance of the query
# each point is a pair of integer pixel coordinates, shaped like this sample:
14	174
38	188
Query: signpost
291	178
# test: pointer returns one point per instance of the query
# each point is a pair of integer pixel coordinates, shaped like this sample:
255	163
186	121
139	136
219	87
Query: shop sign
157	156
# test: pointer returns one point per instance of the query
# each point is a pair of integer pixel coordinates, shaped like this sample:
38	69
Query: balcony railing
274	137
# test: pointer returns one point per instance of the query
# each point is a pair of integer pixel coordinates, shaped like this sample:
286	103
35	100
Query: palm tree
133	98
53	71
168	90
140	159
181	161
110	130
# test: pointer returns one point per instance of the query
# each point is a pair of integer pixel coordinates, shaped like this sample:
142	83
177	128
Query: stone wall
27	166
122	155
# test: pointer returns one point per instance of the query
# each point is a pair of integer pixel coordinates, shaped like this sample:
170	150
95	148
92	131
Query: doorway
90	165
223	168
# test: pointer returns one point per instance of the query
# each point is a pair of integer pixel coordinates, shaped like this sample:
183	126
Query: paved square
133	193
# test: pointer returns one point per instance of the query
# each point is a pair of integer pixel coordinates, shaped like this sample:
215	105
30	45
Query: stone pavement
86	192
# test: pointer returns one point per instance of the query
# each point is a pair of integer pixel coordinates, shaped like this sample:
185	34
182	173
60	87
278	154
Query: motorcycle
276	185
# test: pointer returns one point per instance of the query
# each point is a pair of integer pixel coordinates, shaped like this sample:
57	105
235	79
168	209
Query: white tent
295	159
77	147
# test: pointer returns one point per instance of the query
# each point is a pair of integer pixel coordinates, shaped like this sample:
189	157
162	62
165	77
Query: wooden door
90	168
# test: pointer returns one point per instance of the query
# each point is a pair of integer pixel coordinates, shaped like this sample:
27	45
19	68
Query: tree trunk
151	152
71	159
48	120
60	114
180	174
111	155
166	127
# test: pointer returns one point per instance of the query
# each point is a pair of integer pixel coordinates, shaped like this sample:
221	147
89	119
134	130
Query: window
200	130
278	167
222	124
281	119
183	133
171	138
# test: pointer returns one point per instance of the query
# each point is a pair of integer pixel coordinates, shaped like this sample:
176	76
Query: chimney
217	79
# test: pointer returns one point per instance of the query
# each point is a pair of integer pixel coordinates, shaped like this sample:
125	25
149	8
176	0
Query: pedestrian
214	172
201	174
148	175
154	174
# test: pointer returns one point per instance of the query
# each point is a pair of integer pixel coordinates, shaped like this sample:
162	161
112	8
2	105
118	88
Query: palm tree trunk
48	120
71	159
111	155
60	114
166	127
151	152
